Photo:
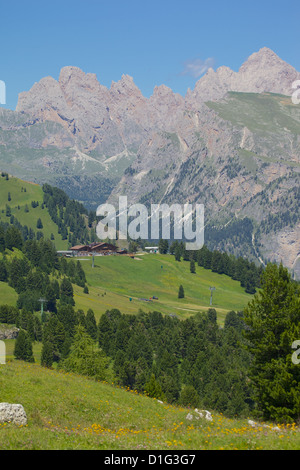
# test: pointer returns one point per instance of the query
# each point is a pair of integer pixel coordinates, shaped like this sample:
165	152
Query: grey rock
8	332
204	414
13	413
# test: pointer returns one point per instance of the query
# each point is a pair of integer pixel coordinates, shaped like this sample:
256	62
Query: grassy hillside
70	412
116	279
7	294
22	193
265	112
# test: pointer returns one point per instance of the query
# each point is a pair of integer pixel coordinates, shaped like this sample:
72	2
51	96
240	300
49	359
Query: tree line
238	268
37	272
75	223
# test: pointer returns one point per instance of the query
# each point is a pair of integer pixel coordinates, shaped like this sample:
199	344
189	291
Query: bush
84	360
189	397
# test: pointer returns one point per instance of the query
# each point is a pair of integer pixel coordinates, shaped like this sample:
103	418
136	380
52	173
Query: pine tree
153	388
273	320
177	253
13	238
3	271
54	334
47	354
2	240
82	358
23	347
192	266
163	246
173	246
7	210
66	292
51	298
189	397
181	292
39	223
91	325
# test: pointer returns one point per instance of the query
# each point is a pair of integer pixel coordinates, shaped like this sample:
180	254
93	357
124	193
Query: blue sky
156	42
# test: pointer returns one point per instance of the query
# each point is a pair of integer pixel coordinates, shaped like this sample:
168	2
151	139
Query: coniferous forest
240	368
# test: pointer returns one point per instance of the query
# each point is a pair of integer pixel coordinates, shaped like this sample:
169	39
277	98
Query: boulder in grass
12	413
204	414
200	414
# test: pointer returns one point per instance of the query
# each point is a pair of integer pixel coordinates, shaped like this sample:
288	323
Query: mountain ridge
264	59
232	144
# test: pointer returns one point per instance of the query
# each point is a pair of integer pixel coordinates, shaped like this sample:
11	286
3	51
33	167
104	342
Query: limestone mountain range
231	143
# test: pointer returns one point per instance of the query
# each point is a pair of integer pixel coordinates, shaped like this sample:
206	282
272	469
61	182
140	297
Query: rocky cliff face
232	143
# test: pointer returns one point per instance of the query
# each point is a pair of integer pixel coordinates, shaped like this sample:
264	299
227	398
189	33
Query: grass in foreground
70	412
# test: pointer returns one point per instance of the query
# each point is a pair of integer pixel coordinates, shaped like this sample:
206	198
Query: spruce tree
39	223
177	253
192	266
163	246
47	354
153	388
51	298
23	347
2	240
83	359
273	320
13	238
66	292
181	292
3	271
91	325
189	397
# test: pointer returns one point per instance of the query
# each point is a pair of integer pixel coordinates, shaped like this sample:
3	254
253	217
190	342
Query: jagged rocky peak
162	91
79	96
125	86
264	57
70	73
73	79
42	100
77	76
262	72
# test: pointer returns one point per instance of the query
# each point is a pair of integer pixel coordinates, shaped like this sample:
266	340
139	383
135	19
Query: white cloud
197	67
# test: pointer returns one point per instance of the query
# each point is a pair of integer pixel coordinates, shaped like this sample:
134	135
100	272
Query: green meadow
69	412
122	282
